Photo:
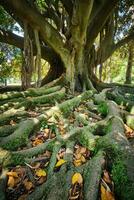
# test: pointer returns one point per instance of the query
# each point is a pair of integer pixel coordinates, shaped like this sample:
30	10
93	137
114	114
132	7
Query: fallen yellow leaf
83	159
77	156
11	182
13	174
105	194
46	130
60	162
40	172
77	162
77	178
37	142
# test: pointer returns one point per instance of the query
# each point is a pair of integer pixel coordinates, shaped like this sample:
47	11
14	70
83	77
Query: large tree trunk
55	71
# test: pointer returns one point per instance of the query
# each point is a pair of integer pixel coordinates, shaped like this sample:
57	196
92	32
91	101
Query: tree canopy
74	36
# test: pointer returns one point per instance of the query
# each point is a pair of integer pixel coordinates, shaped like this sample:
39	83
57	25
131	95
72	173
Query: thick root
92	176
20	136
7	130
12	114
50	98
30	92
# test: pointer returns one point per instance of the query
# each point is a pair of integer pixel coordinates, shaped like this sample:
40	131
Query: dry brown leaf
106	195
37	142
129	132
47	154
41	180
28	184
36	165
106	177
23	197
77	178
77	156
82	150
52	135
71	120
33	114
20	171
12	122
46	130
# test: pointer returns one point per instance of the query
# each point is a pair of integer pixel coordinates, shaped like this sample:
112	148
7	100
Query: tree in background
129	63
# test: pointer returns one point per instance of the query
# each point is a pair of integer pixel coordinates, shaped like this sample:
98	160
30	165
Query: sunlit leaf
37	142
77	178
40	172
13	174
60	162
105	194
77	162
11	182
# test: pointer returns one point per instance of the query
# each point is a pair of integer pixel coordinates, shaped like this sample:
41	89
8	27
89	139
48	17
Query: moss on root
49	98
103	109
20	137
124	188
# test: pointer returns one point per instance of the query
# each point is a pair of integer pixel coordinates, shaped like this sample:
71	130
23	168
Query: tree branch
68	5
10	38
35	20
113	47
99	20
124	41
51	14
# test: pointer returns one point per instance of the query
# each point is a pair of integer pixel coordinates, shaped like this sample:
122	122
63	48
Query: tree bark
129	65
27	65
38	58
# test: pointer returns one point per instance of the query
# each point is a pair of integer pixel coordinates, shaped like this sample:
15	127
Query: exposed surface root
84	134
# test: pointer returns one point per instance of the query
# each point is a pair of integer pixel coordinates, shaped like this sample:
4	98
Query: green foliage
6	21
10	62
115	67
